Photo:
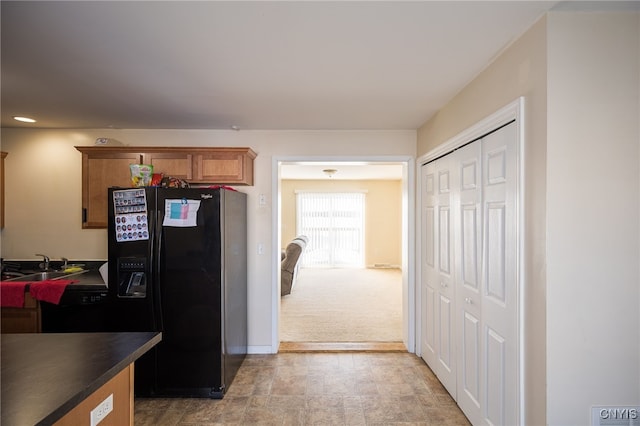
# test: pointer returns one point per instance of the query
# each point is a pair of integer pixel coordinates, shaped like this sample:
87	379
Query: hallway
348	388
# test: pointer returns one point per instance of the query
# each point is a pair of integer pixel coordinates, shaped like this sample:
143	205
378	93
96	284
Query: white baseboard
383	266
258	350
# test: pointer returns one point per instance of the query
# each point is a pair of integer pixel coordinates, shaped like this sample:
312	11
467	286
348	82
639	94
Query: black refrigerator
178	265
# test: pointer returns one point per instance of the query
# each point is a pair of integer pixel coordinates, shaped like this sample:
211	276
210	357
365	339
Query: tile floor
317	389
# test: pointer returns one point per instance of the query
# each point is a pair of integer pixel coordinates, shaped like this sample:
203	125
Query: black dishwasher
82	309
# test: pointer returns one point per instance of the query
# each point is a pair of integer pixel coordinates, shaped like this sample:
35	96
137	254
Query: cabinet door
22	320
175	164
101	170
223	167
104	167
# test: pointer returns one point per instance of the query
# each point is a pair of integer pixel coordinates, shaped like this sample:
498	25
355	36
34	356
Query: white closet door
428	265
439	344
470	275
467	191
499	277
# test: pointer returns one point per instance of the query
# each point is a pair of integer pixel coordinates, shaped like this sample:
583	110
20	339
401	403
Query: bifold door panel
469	275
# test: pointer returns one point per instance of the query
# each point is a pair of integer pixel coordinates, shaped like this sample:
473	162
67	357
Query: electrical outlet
102	410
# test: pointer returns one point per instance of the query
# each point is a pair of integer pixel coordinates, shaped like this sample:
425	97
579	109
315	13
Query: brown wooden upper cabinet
104	167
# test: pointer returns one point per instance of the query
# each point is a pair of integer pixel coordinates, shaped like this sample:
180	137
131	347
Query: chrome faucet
66	263
45	265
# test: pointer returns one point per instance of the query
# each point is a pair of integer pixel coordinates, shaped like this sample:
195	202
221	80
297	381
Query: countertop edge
46	376
65	408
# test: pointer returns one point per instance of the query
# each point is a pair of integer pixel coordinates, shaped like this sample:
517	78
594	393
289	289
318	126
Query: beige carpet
343	305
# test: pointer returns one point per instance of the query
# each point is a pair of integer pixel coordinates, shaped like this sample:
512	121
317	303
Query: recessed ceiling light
235	127
24	119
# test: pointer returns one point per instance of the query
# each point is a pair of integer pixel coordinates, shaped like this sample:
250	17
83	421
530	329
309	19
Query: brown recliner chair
290	263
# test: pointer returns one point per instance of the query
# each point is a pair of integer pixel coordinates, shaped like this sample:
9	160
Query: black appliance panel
79	311
132	277
183	271
189	277
130	270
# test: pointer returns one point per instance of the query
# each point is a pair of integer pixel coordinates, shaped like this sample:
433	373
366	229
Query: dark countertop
44	376
84	280
88	280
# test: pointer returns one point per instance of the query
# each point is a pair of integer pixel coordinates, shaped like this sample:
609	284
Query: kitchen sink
47	275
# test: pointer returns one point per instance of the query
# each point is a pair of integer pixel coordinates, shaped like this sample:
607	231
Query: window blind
334	224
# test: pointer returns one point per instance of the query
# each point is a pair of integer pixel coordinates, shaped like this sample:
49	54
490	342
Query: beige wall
383	220
43	192
579	74
593	208
519	71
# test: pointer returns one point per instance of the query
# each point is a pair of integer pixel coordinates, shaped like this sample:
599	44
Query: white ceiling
256	65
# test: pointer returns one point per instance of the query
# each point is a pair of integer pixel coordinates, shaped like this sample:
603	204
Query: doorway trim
408	237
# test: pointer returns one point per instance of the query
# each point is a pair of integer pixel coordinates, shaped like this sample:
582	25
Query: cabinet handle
444	285
84	215
468	300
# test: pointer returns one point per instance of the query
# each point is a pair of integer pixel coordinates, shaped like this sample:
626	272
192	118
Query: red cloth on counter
12	294
49	291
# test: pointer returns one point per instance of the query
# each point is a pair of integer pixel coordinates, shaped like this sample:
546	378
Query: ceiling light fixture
24	119
329	172
235	127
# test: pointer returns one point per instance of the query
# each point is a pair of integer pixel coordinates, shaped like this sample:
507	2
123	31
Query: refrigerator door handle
155	262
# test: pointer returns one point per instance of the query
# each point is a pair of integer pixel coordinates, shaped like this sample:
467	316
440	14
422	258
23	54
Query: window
334	223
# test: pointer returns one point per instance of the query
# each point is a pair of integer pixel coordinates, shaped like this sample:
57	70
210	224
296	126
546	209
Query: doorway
405	165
